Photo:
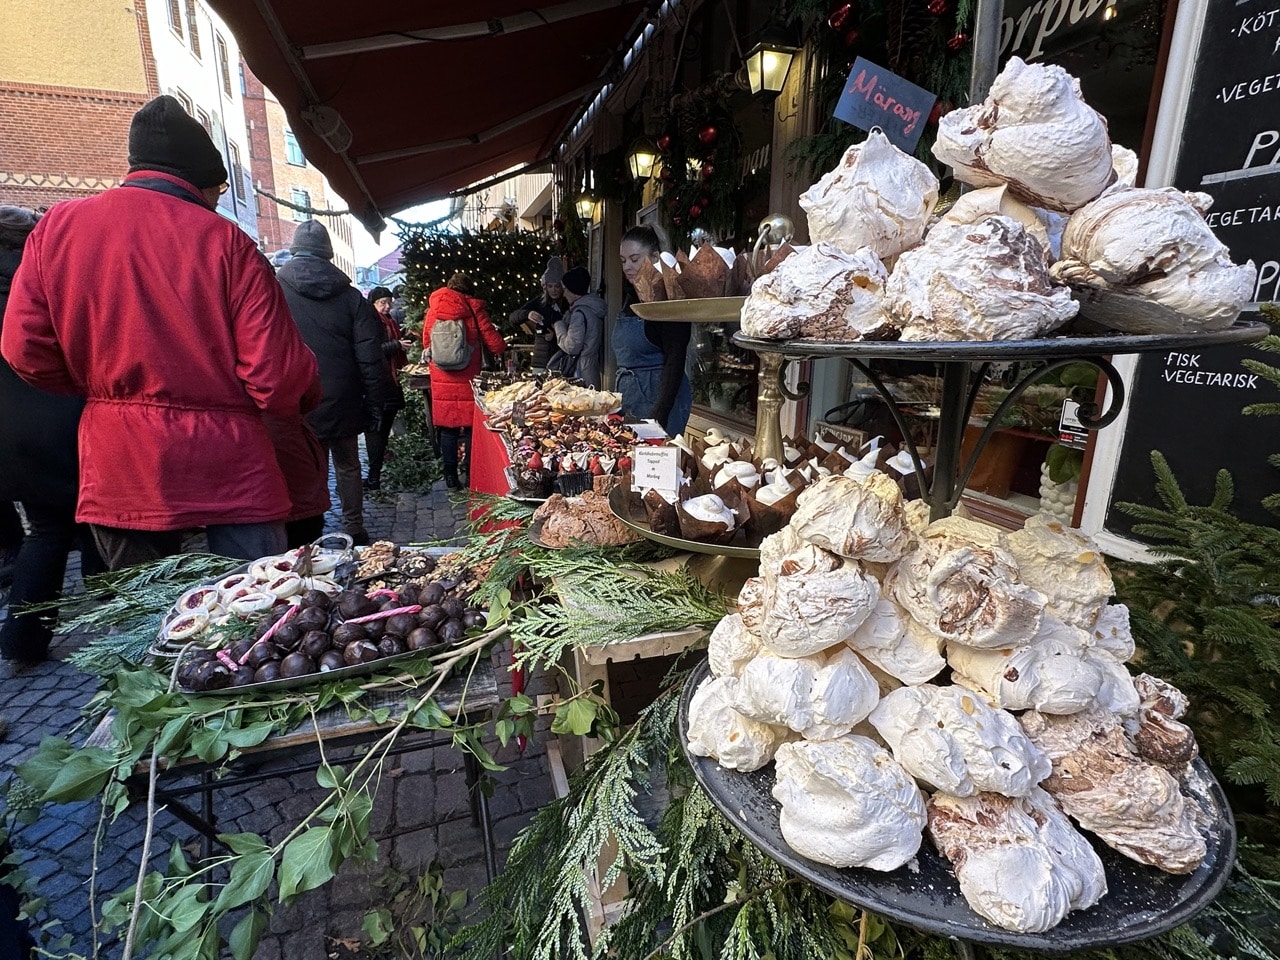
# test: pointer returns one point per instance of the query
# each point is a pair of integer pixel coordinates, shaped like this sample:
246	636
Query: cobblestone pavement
422	811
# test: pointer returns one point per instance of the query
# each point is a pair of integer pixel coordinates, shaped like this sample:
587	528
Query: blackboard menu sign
1188	405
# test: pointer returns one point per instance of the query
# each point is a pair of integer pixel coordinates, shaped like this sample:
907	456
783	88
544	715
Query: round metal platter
696	310
618	504
1141	901
1242	331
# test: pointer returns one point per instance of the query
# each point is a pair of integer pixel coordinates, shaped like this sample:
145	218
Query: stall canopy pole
986	48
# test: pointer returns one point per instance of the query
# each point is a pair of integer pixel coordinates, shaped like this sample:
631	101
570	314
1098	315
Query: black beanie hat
577	281
312	238
377	293
164	137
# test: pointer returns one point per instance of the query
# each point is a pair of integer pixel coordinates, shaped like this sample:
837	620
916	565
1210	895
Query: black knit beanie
577	281
164	137
377	293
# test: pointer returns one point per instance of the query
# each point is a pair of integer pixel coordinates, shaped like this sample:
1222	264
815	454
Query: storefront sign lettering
874	97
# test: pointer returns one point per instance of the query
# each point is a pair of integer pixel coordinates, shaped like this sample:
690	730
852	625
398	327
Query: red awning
398	103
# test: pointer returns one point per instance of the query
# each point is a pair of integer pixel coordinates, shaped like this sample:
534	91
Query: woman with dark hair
452	401
539	316
39	467
396	349
650	356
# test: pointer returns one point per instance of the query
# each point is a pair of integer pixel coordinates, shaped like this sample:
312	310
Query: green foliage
506	267
419	917
1206	617
412	463
1064	463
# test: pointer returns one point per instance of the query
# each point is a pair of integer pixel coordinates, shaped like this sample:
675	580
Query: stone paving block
415	800
505	830
414	850
452	797
459	842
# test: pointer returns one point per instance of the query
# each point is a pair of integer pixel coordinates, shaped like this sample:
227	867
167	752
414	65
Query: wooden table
297	750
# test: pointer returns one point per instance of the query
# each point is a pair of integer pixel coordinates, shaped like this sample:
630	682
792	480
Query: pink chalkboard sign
874	97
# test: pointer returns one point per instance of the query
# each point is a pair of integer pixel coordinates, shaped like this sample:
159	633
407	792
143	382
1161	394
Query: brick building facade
71	79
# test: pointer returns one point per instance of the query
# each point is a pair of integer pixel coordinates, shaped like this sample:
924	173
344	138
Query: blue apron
640	374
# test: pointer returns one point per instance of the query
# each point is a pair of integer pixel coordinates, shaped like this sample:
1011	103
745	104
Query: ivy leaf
244	843
250	878
82	776
246	934
574	717
429	716
307	862
378	925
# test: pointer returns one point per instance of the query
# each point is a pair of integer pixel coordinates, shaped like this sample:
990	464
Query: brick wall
61	142
260	166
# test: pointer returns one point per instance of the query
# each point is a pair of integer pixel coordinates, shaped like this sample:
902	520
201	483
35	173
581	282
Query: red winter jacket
452	402
170	322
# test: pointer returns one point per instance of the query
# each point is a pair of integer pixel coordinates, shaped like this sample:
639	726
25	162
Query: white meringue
904	650
771	493
799	556
1065	565
982	281
710	509
1125	163
1111	633
822	293
1020	862
1145	261
860	519
996	201
731	647
751	604
740	470
962	585
1035	133
807	613
877	197
951	740
847	803
819	697
719	731
1048	675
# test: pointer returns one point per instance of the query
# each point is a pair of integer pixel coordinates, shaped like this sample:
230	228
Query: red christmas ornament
958	41
664	143
851	37
695	211
840	16
708	169
677	219
665	174
708	134
938	7
940	109
704	201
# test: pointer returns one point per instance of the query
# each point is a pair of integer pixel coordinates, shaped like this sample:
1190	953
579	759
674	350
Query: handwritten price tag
656	468
874	97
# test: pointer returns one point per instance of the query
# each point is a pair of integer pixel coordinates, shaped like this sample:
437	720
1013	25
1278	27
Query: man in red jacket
168	320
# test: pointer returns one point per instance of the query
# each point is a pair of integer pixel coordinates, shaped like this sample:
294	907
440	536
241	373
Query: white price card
656	468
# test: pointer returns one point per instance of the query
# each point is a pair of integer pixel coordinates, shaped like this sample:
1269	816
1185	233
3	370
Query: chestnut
362	651
317	599
267	672
262	652
347	633
421	639
310	618
297	665
315	643
401	624
454	609
432	616
353	603
431	595
211	675
331	660
452	631
287	637
390	645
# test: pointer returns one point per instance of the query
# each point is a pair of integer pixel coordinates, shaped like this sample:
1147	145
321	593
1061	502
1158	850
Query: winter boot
451	477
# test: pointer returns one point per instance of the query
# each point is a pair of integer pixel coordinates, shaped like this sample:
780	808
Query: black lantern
767	66
641	158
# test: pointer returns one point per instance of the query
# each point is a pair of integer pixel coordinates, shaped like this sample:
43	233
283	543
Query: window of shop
293	152
204	121
183	99
193	29
175	17
224	62
237	171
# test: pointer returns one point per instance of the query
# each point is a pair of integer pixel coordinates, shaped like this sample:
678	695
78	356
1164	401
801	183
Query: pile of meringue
1056	226
907	676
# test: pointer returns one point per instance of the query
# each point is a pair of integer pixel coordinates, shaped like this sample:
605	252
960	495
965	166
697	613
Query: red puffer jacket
452	402
168	320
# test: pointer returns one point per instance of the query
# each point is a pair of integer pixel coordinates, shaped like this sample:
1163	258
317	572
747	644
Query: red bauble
940	109
665	174
851	37
695	211
708	169
708	134
558	224
938	7
704	201
664	143
677	219
958	41
840	16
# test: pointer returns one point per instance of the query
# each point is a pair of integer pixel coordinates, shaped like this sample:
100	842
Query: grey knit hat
311	239
554	272
15	224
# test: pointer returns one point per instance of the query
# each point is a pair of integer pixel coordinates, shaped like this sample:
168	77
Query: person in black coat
39	468
344	333
539	316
